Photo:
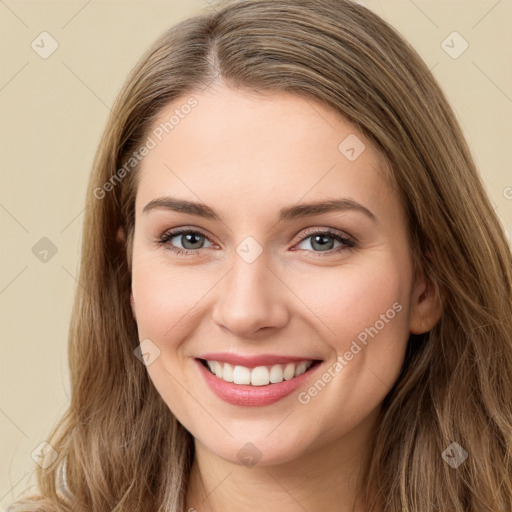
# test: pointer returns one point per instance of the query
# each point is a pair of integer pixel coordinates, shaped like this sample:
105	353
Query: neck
325	478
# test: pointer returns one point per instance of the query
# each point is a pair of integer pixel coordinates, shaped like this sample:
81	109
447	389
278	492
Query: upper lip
253	361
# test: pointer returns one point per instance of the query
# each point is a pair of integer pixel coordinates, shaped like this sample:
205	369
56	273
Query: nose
251	298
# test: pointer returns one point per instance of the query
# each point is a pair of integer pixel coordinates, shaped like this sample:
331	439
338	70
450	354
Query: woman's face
263	278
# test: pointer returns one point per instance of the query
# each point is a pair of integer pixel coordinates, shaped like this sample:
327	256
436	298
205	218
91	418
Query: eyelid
304	234
167	235
348	241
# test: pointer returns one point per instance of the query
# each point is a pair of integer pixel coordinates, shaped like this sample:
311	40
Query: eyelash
348	243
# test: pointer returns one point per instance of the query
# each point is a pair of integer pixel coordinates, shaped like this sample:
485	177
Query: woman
218	362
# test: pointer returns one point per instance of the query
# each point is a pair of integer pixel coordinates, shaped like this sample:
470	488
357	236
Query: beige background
52	114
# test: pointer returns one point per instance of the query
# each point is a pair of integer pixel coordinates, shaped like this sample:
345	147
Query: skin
247	155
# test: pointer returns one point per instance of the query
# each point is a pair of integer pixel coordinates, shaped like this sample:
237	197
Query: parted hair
121	449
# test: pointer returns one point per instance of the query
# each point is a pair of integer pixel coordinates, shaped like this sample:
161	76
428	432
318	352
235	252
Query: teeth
227	372
289	371
241	375
259	376
301	368
276	374
218	369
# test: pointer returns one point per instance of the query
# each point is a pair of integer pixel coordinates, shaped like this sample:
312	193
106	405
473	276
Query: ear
120	235
426	307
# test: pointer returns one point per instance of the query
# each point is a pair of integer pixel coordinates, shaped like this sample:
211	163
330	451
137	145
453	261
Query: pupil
323	240
187	239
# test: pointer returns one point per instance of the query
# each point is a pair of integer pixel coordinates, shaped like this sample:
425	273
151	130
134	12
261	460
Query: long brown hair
119	446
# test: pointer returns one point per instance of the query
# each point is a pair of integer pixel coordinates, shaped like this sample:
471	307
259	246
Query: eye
190	240
323	241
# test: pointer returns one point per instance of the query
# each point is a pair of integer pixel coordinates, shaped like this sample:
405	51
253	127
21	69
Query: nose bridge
250	296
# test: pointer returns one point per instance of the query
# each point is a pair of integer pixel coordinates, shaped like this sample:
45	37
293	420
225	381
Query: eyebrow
287	213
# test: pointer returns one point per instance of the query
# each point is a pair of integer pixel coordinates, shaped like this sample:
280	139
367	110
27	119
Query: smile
256	384
260	375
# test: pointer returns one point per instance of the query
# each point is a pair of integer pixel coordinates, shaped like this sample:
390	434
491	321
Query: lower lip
245	395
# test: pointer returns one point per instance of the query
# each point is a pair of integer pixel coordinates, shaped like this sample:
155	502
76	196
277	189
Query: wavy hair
121	449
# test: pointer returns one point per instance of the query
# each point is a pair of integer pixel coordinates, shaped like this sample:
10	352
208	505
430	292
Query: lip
255	396
253	361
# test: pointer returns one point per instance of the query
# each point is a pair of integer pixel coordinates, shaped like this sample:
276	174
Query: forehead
264	147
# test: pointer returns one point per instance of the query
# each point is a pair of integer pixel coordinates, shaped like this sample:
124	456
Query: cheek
340	307
349	298
166	297
341	301
167	303
362	313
